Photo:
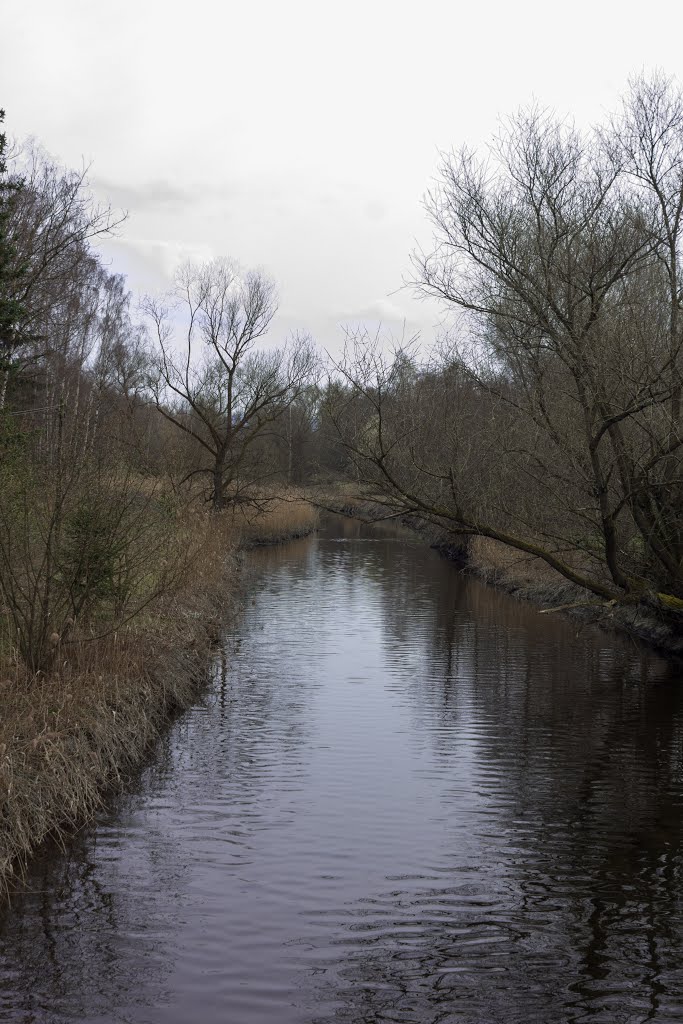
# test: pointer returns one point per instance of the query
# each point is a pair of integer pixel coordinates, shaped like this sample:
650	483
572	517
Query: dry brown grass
281	518
67	739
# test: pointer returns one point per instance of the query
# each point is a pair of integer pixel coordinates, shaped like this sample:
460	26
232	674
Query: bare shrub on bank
85	543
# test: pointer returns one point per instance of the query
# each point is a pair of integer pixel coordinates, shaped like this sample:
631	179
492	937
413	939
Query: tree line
548	417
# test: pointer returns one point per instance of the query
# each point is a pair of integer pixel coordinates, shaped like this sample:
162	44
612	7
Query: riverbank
70	737
523	577
530	579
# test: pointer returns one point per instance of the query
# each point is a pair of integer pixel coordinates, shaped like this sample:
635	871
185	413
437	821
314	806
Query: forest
546	417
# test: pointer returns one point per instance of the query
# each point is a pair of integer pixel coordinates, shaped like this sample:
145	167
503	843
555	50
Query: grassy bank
70	737
278	519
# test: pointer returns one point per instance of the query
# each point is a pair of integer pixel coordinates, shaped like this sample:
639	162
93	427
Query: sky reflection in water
404	797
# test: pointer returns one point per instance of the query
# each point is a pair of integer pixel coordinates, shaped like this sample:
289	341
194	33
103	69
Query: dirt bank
527	578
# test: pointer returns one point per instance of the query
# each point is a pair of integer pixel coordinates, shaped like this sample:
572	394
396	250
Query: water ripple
405	797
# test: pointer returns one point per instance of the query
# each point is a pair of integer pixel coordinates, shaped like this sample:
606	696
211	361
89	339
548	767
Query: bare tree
551	420
49	222
222	391
647	139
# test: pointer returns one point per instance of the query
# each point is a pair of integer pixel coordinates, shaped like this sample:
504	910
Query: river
403	797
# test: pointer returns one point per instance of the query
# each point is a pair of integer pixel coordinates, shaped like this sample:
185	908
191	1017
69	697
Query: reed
71	737
274	519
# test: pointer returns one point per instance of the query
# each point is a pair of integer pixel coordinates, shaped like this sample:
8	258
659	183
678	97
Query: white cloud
300	136
380	310
151	262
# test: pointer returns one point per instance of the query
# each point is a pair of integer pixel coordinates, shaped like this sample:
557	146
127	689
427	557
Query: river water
405	797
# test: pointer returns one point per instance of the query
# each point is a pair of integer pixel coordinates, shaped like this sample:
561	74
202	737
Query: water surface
405	797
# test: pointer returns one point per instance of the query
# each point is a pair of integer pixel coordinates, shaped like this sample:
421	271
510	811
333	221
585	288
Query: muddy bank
530	579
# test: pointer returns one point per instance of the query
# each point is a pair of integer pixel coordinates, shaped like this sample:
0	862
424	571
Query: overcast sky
301	136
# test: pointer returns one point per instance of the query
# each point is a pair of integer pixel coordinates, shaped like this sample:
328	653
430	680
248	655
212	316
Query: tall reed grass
70	737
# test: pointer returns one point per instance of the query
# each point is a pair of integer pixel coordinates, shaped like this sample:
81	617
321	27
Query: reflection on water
405	797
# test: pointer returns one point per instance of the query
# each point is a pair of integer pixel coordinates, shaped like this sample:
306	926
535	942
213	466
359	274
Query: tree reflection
542	882
577	743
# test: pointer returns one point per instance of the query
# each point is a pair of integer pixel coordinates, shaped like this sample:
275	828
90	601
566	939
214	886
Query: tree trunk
218	482
289	448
